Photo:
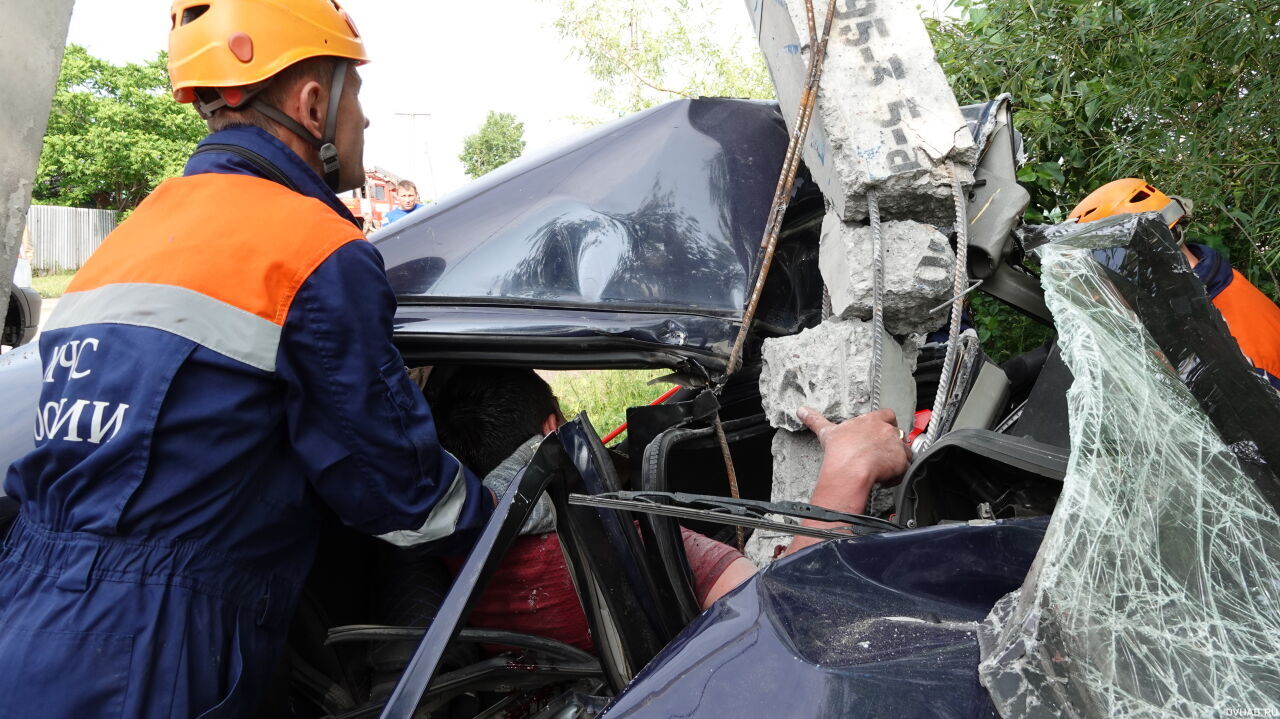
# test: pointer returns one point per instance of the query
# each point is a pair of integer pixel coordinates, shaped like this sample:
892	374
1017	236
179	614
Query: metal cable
961	279
877	298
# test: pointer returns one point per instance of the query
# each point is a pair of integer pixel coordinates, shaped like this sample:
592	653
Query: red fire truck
375	199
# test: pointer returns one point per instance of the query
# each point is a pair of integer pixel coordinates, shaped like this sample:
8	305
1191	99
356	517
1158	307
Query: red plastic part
623	427
919	424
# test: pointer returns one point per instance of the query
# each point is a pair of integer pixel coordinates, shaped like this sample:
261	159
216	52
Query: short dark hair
275	93
407	185
483	414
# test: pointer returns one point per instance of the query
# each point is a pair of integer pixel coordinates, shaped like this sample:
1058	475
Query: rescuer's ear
312	106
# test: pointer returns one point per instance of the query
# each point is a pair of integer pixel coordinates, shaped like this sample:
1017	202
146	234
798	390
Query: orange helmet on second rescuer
1127	196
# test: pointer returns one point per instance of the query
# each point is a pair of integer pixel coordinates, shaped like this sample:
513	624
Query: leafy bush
114	133
604	395
1180	93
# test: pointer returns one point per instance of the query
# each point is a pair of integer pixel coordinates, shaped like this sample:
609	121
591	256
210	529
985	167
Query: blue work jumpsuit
218	379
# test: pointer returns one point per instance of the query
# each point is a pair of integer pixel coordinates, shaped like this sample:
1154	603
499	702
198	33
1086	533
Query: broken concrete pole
918	264
797	457
34	36
885	117
886	122
828	368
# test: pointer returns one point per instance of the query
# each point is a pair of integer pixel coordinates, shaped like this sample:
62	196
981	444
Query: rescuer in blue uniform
218	378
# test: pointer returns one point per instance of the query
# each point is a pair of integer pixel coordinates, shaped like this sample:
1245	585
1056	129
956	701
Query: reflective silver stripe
441	522
227	330
1172	212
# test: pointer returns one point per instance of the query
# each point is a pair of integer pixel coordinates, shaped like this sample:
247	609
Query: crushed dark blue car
636	246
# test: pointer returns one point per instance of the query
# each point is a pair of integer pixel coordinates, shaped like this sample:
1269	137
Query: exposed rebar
773	226
961	278
733	474
877	298
787	178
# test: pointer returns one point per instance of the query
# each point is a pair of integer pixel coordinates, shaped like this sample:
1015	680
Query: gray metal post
32	38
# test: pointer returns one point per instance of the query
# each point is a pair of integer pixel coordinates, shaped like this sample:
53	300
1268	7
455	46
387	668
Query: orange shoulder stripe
1254	320
242	240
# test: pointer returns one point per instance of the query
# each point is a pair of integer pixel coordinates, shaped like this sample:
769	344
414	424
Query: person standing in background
406	201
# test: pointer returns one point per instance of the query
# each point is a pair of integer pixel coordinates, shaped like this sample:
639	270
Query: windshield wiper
737	512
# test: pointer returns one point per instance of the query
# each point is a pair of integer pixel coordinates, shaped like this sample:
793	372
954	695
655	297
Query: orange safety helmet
1127	196
222	53
234	43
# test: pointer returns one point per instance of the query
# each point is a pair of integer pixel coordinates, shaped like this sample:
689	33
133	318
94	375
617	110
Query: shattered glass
1156	591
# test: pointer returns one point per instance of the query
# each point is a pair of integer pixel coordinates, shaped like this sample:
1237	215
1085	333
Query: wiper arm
737	512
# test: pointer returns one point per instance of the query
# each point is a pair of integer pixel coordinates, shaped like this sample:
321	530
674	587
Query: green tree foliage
1004	331
498	141
114	133
1180	92
645	52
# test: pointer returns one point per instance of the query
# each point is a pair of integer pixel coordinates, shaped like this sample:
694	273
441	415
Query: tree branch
637	76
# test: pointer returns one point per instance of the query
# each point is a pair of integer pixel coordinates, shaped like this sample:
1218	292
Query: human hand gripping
856	454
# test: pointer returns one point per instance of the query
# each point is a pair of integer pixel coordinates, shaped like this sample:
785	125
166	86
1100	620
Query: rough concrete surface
797	457
31	53
766	544
828	368
918	266
911	346
885	117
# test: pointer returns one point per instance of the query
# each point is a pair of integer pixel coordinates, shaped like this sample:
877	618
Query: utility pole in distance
431	173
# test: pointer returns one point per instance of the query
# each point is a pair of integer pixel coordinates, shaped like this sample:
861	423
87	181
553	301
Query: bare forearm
736	573
849	497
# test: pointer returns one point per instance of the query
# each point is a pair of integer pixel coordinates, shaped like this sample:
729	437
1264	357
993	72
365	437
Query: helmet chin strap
328	151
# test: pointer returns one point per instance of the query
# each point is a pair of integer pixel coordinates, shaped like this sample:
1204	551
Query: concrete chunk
885	117
828	368
918	267
797	457
766	544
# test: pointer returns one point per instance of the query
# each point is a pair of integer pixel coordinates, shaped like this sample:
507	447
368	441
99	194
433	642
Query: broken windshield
1156	591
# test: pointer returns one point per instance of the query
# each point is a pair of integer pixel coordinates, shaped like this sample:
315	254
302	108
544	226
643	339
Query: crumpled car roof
659	211
645	231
